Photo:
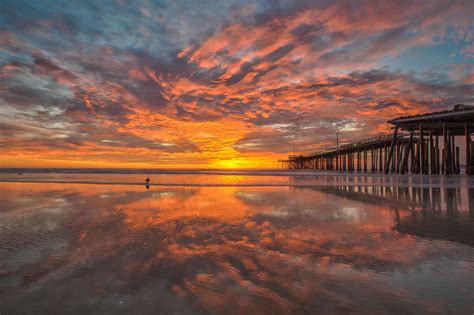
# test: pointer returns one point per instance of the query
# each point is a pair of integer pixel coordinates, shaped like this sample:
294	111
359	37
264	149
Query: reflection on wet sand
362	249
433	212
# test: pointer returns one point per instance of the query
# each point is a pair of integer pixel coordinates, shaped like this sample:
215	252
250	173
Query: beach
235	242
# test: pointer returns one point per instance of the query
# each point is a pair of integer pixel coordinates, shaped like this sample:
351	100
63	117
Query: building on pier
430	157
421	144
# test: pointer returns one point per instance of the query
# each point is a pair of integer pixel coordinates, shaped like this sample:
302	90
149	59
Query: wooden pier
422	144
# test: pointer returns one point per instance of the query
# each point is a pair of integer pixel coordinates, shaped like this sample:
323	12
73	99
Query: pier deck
420	144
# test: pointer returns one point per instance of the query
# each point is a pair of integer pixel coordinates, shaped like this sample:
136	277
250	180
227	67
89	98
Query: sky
220	84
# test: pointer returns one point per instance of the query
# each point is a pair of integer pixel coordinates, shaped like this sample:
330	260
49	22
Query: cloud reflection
249	249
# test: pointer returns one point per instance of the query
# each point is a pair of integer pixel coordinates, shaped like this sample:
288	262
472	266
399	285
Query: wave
150	171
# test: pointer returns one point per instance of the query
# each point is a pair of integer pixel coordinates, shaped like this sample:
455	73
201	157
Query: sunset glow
219	84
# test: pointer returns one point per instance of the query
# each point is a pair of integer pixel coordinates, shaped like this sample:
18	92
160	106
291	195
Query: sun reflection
231	179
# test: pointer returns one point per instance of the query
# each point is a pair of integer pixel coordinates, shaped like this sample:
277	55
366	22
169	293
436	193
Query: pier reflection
431	212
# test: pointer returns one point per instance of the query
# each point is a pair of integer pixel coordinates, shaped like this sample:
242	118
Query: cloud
188	82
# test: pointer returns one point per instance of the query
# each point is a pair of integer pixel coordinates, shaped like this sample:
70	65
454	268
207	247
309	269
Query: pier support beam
457	164
358	161
390	154
437	167
422	151
468	149
365	161
445	151
431	155
407	153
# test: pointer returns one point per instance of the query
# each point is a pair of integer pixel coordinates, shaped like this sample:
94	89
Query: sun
234	163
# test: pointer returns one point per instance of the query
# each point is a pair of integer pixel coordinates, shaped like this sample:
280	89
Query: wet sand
238	245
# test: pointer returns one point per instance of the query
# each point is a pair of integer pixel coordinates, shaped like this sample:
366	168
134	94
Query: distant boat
20	173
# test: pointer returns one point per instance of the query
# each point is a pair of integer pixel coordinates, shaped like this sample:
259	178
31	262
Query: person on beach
147	180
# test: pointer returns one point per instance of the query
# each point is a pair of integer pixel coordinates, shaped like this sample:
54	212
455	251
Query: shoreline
452	182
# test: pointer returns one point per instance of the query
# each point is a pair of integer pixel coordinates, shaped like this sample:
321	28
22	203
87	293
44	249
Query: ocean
238	242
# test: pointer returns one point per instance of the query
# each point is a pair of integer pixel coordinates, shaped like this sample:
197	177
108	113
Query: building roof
458	110
459	113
